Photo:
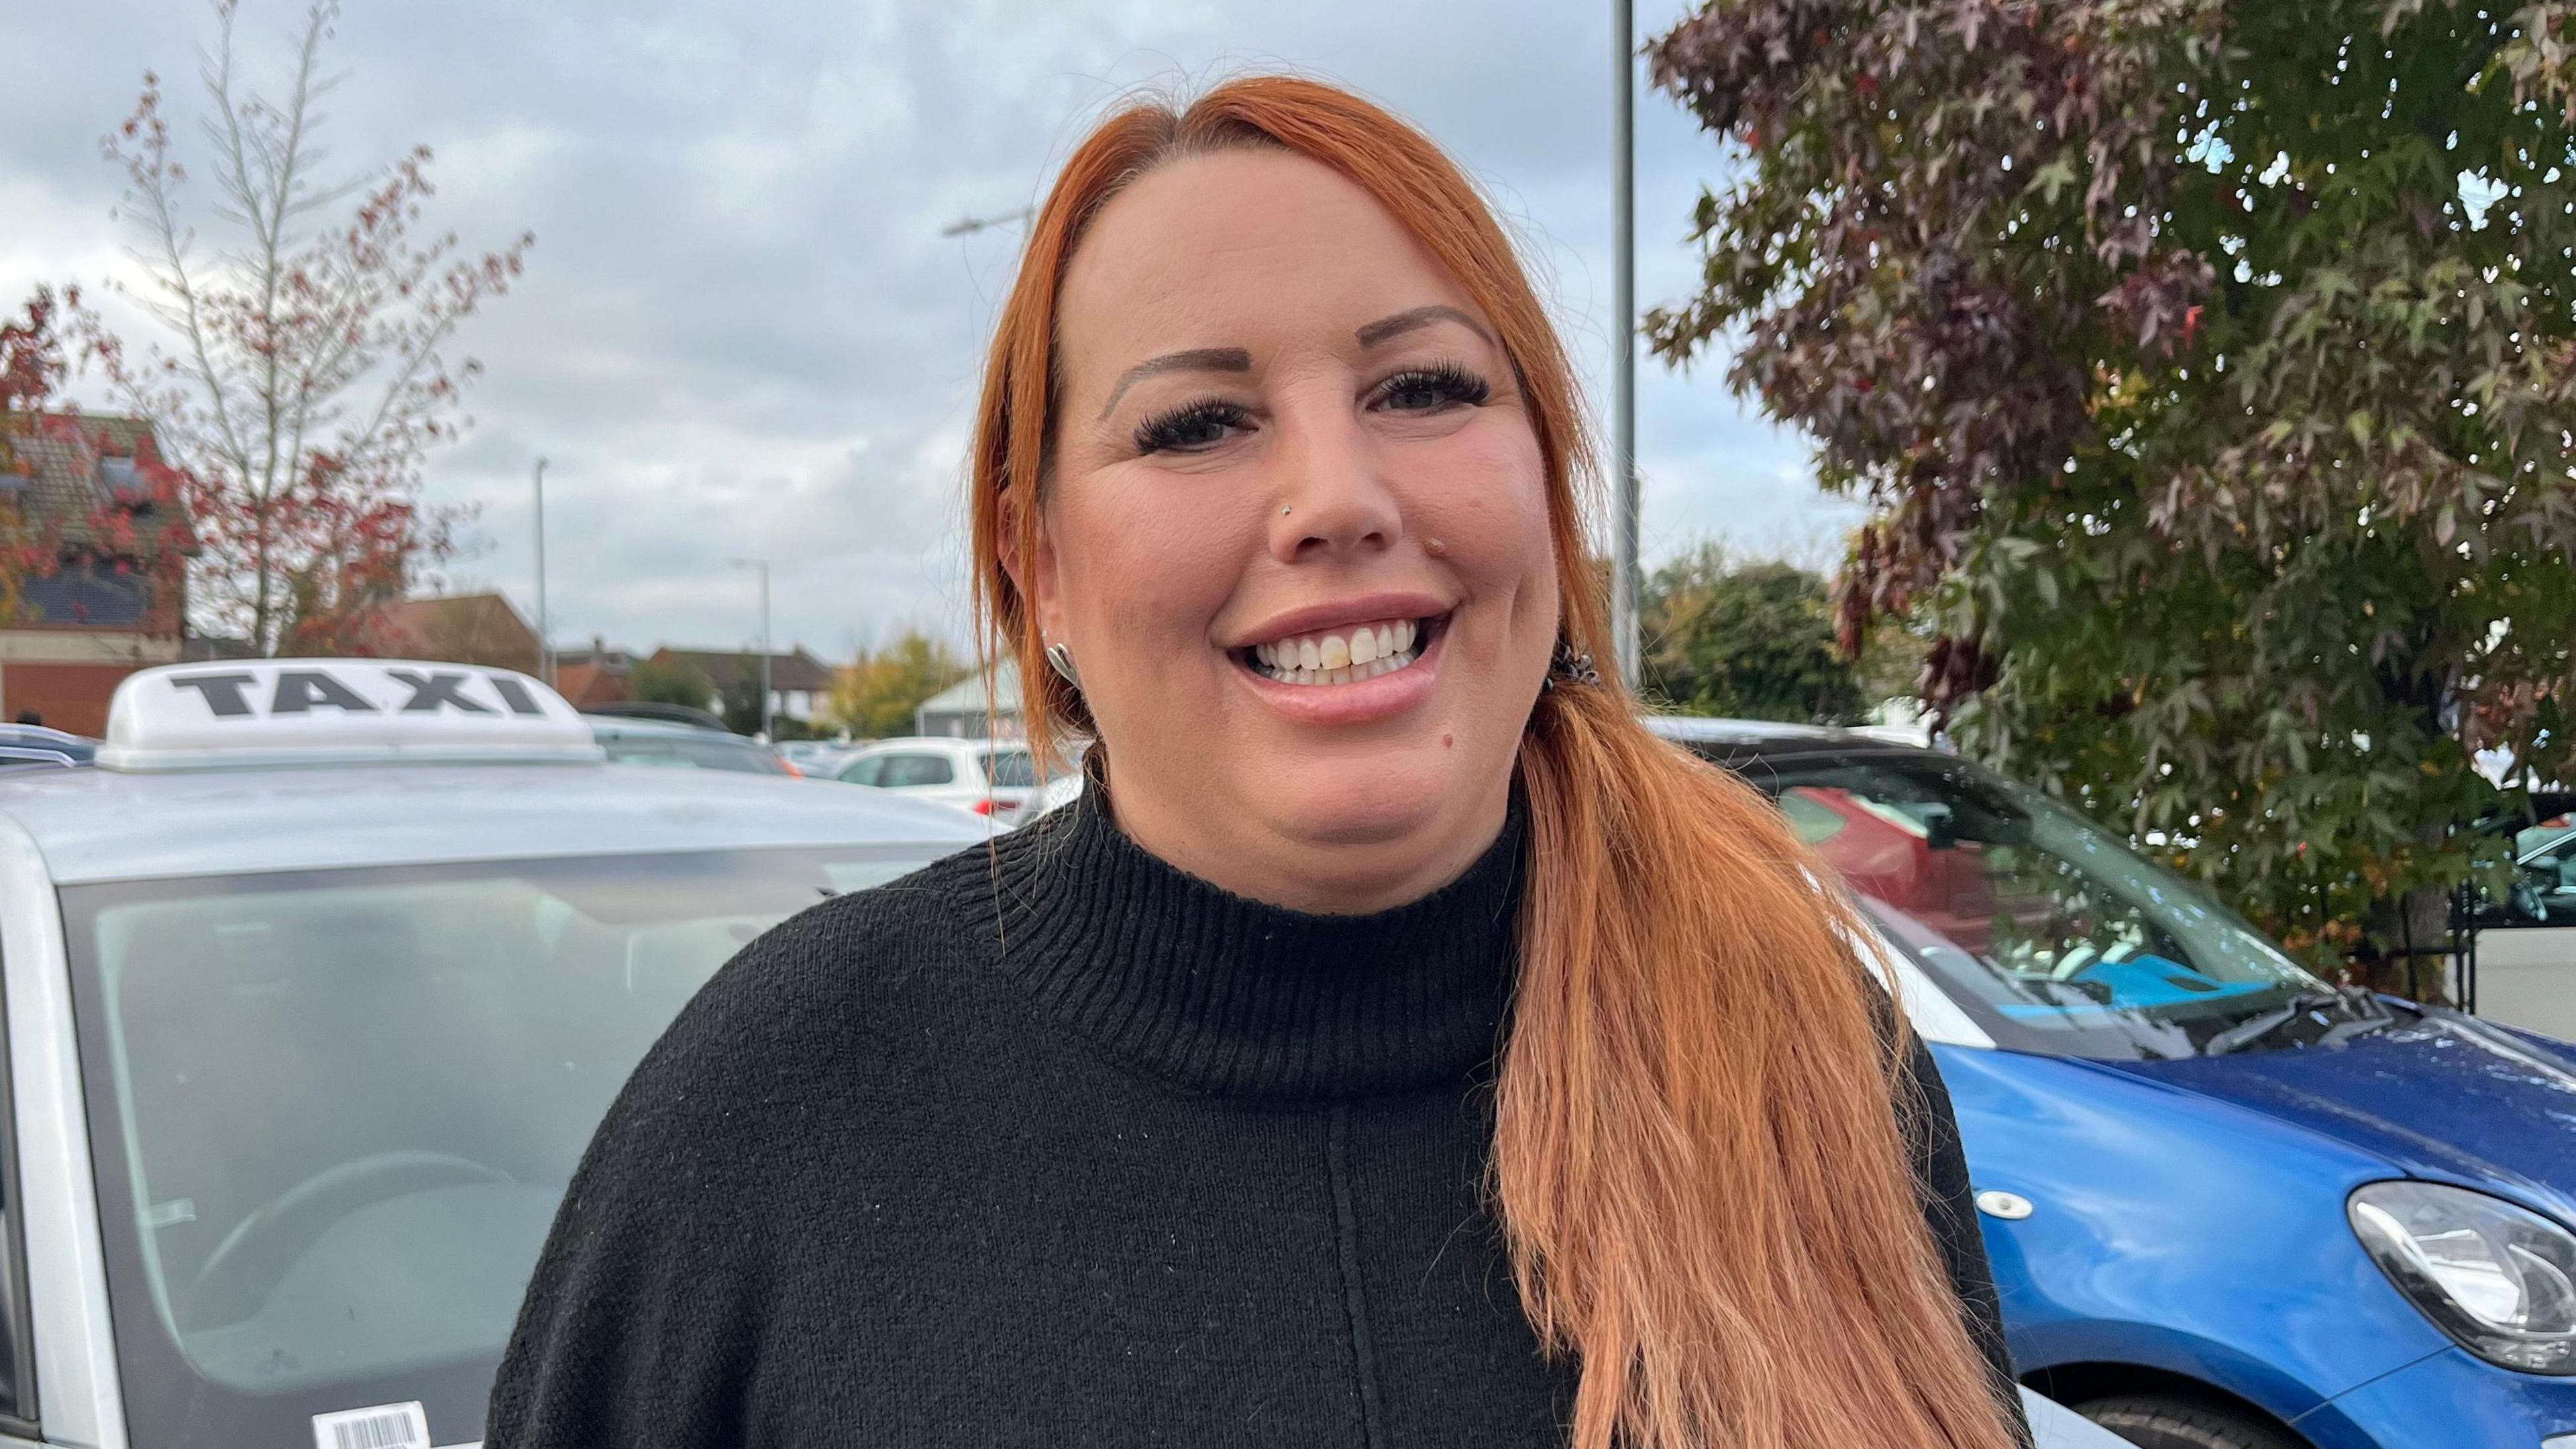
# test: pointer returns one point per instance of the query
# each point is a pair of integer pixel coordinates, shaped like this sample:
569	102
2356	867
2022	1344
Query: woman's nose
1333	495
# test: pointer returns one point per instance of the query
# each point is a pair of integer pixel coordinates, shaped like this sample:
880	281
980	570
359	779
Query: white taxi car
316	985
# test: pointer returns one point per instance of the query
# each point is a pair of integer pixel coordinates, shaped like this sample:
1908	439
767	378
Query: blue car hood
2447	1097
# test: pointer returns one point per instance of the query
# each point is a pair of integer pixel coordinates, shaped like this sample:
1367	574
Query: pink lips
1359	609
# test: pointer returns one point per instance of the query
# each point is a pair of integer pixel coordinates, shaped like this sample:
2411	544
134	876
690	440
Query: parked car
992	778
2229	1205
315	987
2526	945
641	741
36	745
820	759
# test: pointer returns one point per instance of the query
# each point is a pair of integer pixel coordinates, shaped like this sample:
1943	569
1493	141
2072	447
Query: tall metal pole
1623	361
545	637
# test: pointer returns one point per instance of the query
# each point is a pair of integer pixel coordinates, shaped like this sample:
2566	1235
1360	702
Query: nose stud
1283	510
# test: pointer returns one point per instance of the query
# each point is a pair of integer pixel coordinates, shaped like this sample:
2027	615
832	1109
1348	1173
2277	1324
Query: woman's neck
1321	867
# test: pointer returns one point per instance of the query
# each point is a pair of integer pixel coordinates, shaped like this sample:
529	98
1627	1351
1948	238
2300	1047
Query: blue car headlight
2499	1278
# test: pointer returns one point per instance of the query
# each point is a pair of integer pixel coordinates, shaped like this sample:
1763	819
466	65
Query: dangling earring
1060	659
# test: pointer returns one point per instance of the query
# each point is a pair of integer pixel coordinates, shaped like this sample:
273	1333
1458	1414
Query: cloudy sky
742	333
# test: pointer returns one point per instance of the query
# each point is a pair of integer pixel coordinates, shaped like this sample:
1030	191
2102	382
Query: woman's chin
1352	806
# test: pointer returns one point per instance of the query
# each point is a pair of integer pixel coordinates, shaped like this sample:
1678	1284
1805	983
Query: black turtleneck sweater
1069	1148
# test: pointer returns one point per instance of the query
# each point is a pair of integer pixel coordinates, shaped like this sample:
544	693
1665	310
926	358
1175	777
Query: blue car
2230	1206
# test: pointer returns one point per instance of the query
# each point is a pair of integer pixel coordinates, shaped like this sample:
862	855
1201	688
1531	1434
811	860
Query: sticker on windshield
386	1426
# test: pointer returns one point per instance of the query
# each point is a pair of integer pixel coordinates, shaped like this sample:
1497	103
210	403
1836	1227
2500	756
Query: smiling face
1296	535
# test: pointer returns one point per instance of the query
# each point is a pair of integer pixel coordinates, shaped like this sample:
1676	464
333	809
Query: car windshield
333	1112
2048	930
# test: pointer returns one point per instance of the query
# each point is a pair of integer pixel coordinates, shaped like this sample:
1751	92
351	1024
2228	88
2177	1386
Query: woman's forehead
1234	248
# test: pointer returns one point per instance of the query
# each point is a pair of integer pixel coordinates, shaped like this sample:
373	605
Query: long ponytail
1696	1163
1703	1185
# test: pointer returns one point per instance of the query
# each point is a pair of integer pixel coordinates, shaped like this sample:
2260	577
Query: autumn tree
1748	638
877	695
305	372
2209	370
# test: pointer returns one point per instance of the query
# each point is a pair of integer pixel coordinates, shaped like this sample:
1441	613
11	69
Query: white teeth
1345	656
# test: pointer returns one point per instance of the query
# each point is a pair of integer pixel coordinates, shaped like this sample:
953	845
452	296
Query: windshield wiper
2367	1014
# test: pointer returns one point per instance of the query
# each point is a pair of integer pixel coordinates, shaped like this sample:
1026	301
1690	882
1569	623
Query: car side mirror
2526	902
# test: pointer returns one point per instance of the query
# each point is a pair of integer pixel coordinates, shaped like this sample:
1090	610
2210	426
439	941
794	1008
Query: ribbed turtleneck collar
1221	995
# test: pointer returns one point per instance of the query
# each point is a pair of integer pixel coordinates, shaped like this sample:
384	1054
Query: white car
993	778
316	985
2526	943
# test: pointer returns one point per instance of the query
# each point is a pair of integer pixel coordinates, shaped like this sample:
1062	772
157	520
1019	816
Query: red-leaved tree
304	376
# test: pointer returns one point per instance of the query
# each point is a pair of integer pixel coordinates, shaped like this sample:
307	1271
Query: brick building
90	494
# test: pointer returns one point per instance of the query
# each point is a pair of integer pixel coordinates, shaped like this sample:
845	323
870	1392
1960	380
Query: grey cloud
741	332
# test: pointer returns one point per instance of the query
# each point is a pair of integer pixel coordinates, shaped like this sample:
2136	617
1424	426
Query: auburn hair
1697	1163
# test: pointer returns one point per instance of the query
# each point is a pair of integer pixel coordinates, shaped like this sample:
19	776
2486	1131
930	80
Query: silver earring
1060	659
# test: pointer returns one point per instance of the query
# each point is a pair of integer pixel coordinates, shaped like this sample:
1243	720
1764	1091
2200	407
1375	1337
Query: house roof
795	672
69	467
966	696
465	628
586	684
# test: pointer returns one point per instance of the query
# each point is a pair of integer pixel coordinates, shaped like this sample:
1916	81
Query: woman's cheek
1483	499
1164	567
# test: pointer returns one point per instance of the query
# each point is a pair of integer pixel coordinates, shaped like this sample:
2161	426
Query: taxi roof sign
233	714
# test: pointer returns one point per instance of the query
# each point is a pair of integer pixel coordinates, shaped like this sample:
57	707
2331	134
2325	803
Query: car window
1011	769
864	772
680	752
902	770
333	1111
2051	931
2544	878
715	754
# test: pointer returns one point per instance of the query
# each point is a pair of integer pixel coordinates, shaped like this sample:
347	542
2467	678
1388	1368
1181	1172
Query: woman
1395	1046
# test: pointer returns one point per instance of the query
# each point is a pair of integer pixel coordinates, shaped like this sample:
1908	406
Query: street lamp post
545	644
1623	357
966	225
762	564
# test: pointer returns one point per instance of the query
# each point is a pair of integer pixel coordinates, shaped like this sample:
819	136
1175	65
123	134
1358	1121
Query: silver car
316	985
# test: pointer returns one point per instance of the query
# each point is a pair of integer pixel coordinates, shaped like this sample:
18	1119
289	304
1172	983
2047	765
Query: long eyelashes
1430	388
1192	425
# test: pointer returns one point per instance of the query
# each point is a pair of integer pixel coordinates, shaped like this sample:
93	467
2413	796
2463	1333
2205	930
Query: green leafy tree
1752	640
877	694
670	681
739	701
2209	367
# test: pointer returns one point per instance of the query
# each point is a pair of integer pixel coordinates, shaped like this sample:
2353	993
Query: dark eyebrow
1402	322
1196	359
